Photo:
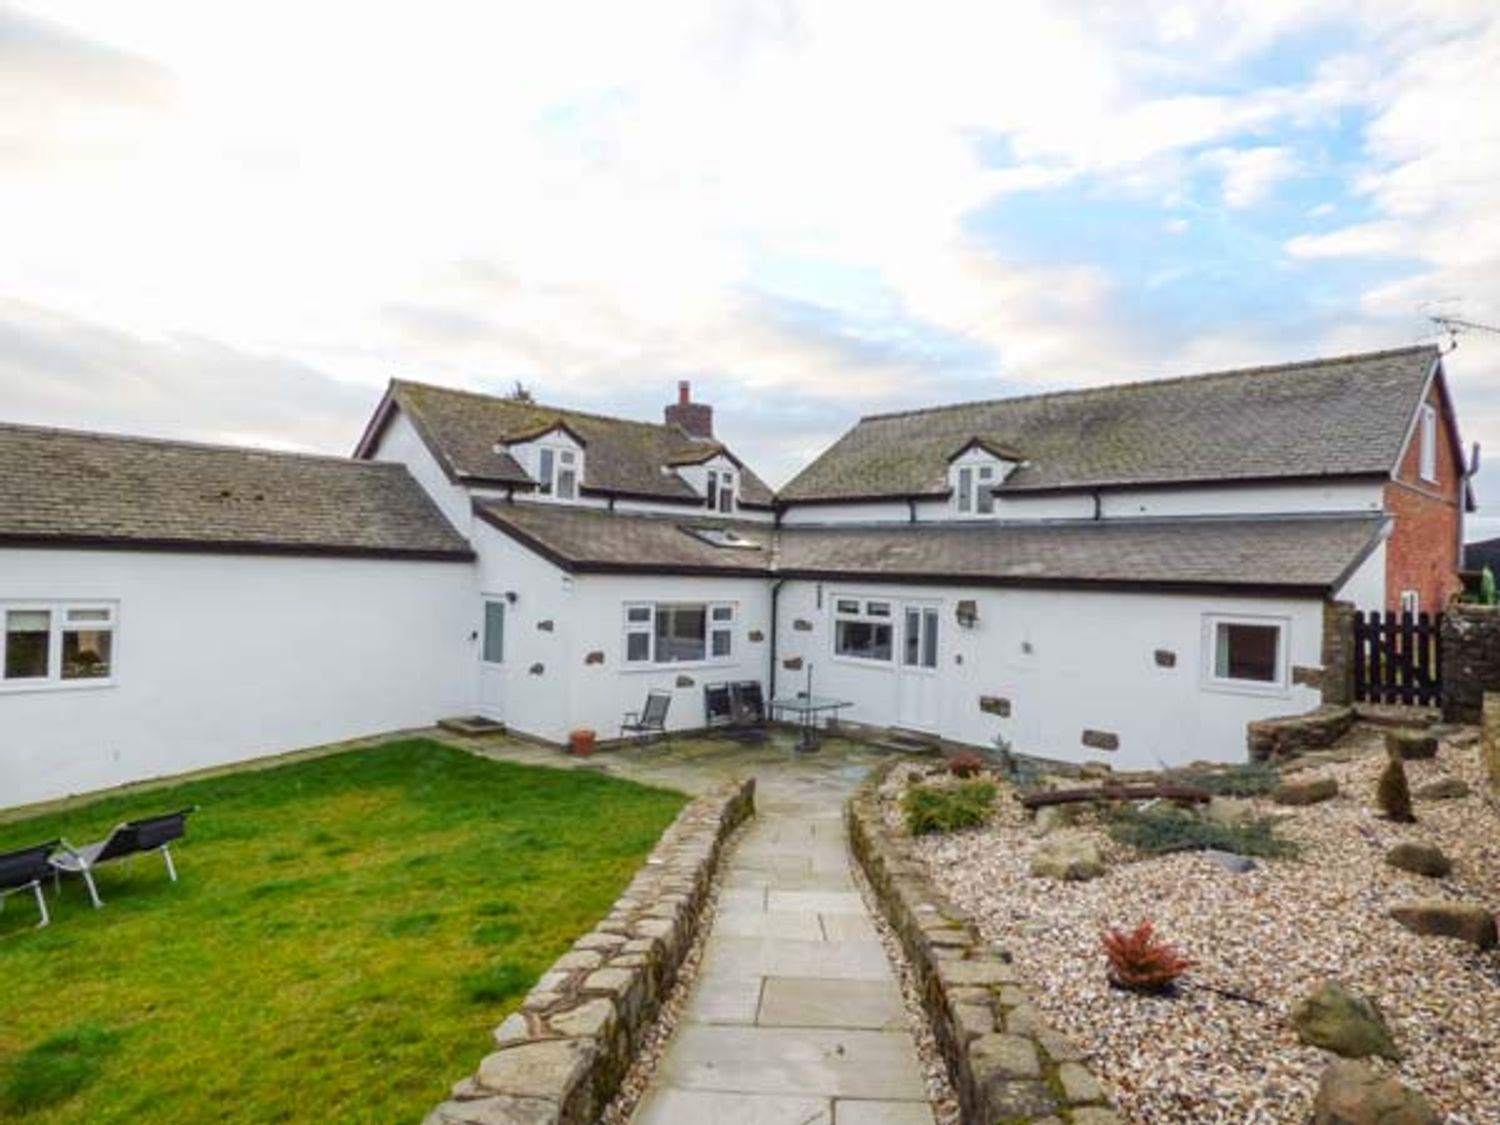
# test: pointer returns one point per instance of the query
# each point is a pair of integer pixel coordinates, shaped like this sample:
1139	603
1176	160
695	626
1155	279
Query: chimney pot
695	418
684	392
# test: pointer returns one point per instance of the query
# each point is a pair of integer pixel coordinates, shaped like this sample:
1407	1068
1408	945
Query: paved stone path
795	1018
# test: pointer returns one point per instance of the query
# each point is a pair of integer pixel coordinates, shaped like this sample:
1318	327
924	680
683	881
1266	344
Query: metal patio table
807	709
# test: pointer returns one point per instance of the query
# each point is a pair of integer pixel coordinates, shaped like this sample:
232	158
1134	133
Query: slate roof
1312	555
588	539
1485	553
620	456
1293	554
1328	417
61	487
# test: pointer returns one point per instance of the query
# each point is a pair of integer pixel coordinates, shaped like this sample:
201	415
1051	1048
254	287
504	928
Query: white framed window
57	644
663	633
1411	602
1246	653
558	471
721	490
1429	440
863	629
972	493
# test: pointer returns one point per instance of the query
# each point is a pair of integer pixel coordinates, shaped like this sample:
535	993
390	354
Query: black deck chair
149	834
749	703
24	870
649	720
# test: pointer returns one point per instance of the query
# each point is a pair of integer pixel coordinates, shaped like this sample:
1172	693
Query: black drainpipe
1098	506
911	509
775	598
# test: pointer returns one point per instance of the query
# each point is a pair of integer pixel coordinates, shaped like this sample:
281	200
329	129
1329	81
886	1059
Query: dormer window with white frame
721	490
558	472
973	472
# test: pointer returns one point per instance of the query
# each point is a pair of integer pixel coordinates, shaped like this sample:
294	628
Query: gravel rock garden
1322	941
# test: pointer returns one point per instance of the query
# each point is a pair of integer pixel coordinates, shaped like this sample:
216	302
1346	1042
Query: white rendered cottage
1130	573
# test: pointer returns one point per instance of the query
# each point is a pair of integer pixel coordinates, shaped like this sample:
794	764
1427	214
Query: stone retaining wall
560	1059
1271	740
1005	1063
1471	660
1489	738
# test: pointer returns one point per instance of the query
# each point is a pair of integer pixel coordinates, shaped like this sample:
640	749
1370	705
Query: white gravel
1272	934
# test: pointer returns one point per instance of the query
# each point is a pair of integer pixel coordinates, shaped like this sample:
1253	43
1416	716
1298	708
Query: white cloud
1251	173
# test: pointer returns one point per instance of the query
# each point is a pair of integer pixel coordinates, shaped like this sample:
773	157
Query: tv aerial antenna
1453	326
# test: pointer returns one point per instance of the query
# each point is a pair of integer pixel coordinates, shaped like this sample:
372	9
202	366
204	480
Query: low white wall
1067	661
222	658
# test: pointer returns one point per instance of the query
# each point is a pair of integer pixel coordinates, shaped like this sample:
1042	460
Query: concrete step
471	726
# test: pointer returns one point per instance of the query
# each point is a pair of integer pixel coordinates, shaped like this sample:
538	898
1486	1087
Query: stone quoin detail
1100	740
995	705
1165	658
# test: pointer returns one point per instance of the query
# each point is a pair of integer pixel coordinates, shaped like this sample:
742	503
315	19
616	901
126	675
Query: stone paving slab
846	1112
729	957
741	878
814	1002
775	924
681	1107
774	1060
817	902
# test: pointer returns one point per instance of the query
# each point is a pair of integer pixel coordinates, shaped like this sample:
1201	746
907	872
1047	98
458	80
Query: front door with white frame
492	672
917	667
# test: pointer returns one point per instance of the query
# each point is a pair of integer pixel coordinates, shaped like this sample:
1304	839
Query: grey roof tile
1328	417
621	455
65	486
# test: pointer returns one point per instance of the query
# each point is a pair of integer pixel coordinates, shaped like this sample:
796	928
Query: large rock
1309	792
1228	811
1049	818
1343	1022
1068	856
1420	859
1353	1093
1411	745
1443	789
1436	917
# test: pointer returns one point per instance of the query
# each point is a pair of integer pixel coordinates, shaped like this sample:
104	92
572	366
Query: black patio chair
749	703
149	834
718	705
24	870
649	720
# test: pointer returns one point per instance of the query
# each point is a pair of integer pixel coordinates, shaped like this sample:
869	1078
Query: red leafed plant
1142	962
966	764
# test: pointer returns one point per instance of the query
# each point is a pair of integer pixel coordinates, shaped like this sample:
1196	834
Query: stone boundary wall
1005	1063
1272	740
1471	660
560	1059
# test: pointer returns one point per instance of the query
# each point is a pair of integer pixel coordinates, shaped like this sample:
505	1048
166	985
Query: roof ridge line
566	410
188	443
1168	380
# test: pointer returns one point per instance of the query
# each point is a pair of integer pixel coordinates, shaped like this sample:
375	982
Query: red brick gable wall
1422	553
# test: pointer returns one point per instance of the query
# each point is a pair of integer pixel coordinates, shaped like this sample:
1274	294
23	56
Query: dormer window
972	490
557	472
721	490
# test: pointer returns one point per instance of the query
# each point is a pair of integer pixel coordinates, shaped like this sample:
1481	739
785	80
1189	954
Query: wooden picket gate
1398	658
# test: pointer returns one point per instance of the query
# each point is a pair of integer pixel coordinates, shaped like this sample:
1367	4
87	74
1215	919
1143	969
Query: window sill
1246	687
28	687
864	661
681	665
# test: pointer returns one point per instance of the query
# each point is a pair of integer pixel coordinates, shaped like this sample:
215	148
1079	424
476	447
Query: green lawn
345	933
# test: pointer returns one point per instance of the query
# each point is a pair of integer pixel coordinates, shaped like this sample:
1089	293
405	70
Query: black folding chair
651	719
24	870
149	834
749	704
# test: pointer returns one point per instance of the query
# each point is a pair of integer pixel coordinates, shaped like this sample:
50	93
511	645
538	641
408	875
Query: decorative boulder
1443	789
1353	1093
1343	1022
1049	818
1069	857
1420	859
1308	792
1411	745
1228	811
1437	917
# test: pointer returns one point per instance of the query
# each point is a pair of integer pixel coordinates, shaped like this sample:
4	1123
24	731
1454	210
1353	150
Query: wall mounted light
511	596
967	613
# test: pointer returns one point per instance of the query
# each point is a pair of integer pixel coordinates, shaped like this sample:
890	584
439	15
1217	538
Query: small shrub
947	808
966	764
1253	780
1393	794
1142	962
1166	828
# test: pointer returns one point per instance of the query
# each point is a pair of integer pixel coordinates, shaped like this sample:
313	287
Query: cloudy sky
236	221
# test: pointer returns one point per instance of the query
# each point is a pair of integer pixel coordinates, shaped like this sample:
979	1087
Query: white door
492	674
917	667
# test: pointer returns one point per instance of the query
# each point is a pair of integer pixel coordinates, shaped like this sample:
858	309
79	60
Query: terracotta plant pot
581	742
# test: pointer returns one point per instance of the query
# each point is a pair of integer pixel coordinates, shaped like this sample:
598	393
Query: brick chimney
697	418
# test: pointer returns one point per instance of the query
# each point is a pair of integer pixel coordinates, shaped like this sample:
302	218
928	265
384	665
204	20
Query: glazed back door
492	671
917	671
